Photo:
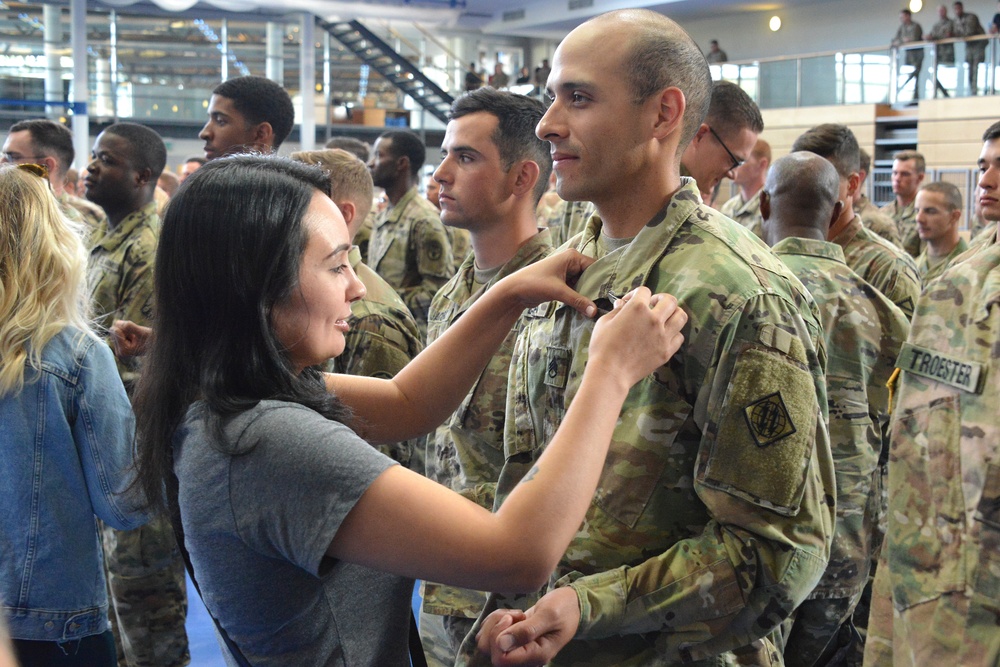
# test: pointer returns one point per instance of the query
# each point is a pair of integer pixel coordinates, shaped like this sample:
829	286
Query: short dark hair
992	132
260	100
836	143
732	110
517	117
662	55
229	252
351	145
50	138
407	144
200	160
147	150
906	11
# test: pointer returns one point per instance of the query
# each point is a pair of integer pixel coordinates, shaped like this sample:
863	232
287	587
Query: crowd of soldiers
811	480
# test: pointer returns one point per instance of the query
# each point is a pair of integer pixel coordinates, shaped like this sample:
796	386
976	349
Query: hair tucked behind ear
229	251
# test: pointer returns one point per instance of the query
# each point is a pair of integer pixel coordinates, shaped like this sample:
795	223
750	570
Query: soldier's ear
838	208
526	176
765	205
143	176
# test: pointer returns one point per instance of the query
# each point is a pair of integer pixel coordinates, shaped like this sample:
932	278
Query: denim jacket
65	451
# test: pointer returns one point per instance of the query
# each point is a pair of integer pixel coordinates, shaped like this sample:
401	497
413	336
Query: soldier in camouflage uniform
871	216
908	170
863	331
409	246
490	189
724	140
744	208
567	219
50	144
714	515
887	268
383	336
938	579
145	568
939	210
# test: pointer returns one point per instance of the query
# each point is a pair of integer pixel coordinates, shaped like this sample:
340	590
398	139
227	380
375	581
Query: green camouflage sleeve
135	294
429	243
376	348
765	475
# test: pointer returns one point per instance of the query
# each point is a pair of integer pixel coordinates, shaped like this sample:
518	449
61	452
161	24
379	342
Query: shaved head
803	189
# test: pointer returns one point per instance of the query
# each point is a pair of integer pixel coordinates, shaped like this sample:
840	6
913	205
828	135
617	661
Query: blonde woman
66	437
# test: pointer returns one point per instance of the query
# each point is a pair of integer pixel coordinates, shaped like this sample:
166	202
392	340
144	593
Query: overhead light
916	5
774	24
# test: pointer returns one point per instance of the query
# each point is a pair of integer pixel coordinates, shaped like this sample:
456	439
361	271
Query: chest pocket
382	240
924	539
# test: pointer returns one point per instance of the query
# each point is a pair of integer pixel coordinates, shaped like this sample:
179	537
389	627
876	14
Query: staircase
377	54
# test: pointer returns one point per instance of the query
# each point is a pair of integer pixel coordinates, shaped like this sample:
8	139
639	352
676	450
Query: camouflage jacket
745	212
929	271
409	248
461	244
382	339
567	219
120	275
466	452
906	224
877	221
938	580
887	268
863	332
714	514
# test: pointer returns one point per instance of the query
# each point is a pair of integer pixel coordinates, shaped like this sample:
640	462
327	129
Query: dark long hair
229	251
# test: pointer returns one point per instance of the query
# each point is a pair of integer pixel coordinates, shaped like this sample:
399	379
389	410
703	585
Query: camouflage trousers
148	595
441	637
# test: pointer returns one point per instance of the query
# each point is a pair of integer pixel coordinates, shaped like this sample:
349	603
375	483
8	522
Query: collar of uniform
112	238
395	212
794	245
849	232
460	294
623	270
354	257
751	205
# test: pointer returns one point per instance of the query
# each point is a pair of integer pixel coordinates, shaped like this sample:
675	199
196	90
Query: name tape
933	365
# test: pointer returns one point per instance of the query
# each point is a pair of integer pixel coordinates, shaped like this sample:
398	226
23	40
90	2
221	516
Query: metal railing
878	75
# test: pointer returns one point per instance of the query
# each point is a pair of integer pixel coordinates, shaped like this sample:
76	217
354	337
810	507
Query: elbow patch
765	437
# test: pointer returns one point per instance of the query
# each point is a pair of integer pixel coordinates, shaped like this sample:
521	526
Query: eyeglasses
737	163
17	157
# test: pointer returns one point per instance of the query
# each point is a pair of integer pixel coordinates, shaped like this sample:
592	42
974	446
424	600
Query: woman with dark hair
304	538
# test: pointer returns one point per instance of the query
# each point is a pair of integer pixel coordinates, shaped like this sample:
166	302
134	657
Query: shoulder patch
769	420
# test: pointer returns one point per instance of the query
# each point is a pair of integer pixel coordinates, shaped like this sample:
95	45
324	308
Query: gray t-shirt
257	525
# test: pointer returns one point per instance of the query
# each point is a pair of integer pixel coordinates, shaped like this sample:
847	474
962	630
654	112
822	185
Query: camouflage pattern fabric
929	270
887	268
567	219
120	276
466	453
863	332
461	244
906	224
144	567
382	339
409	249
714	514
936	590
442	635
747	213
363	237
877	221
147	586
